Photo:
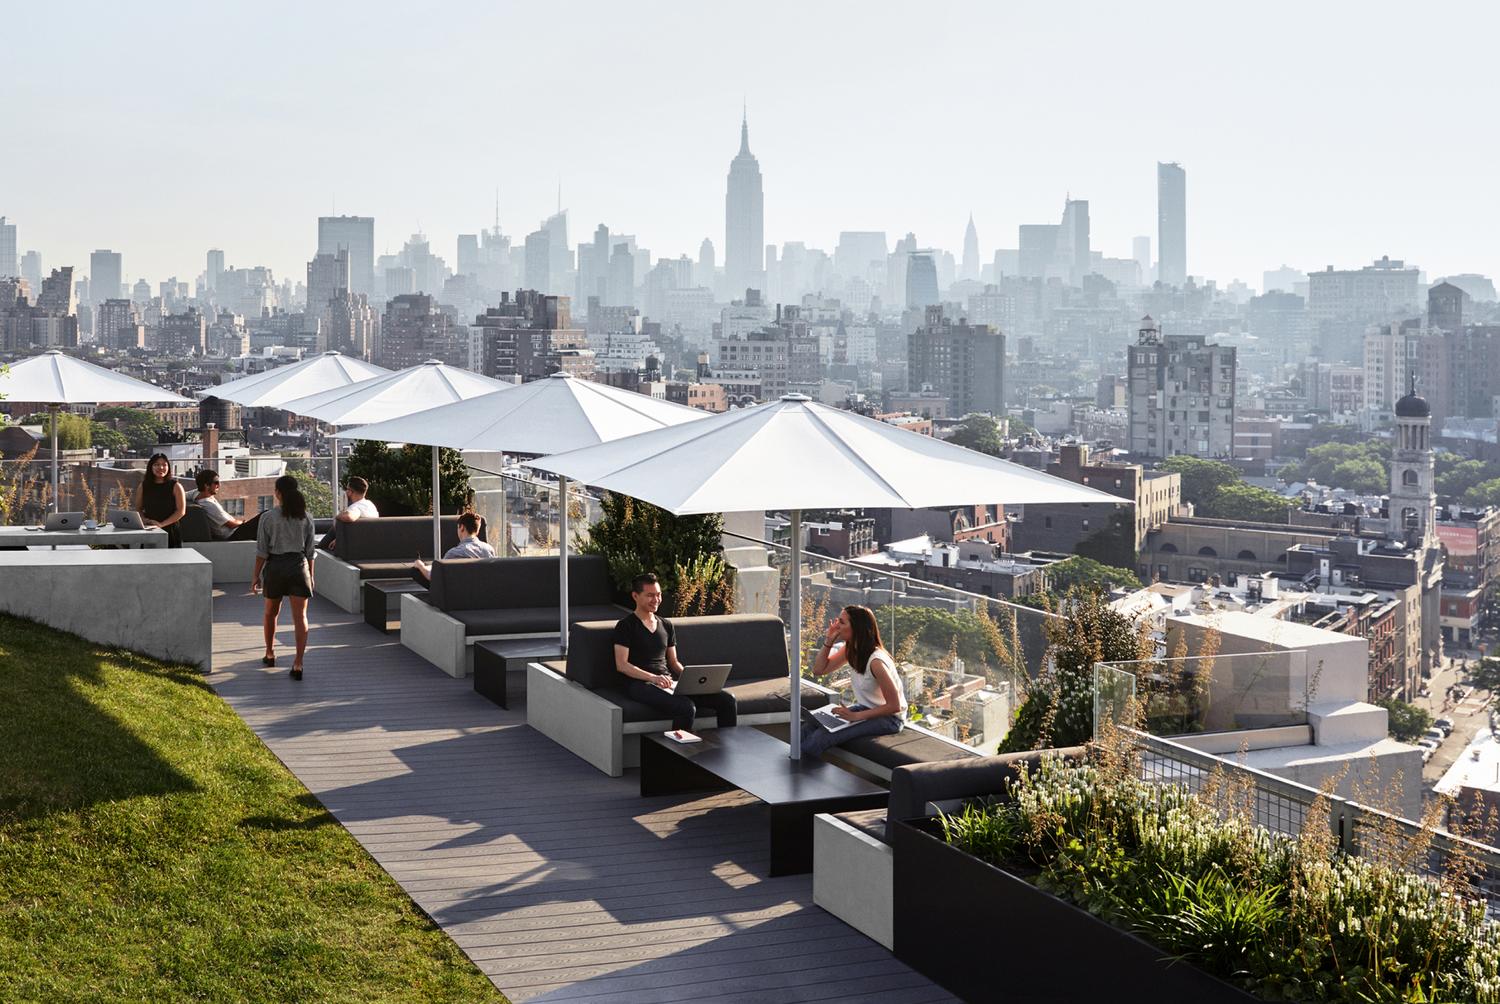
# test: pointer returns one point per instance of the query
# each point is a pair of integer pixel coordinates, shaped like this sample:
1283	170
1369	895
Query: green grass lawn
152	849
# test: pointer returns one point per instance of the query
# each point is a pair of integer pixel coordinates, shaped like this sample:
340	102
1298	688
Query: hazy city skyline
1304	132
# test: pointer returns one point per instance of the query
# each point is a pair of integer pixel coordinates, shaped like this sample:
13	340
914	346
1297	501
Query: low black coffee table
382	597
496	661
747	759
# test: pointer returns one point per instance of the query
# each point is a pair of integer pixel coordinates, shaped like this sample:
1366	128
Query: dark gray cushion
383	569
916	784
195	525
391	538
511	583
763	697
754	644
870	822
525	620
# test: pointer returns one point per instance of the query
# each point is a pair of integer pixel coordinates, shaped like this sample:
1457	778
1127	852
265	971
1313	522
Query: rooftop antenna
559	195
497	209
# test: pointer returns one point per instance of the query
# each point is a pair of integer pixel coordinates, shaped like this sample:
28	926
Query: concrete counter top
155	601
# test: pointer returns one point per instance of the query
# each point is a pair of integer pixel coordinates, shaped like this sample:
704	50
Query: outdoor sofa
472	600
233	560
376	548
580	703
853	862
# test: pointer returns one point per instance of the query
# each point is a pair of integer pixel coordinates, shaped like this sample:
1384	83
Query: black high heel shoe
296	672
268	660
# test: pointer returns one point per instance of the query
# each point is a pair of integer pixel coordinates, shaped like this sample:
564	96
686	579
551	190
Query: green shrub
1286	919
685	552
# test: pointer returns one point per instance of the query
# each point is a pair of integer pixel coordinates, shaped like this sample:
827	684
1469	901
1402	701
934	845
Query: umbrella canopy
275	387
391	395
54	378
795	454
550	415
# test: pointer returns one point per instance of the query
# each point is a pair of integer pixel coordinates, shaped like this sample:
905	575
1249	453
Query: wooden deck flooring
560	883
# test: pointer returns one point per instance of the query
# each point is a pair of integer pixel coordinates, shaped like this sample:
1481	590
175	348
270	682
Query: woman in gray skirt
284	553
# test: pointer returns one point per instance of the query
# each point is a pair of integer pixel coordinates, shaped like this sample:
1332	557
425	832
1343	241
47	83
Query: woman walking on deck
283	566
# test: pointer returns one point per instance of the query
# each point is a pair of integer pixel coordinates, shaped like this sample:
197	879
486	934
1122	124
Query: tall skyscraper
214	267
706	264
744	220
921	281
1073	256
355	234
106	280
1181	395
326	275
31	269
1171	224
118	325
10	265
1140	250
970	267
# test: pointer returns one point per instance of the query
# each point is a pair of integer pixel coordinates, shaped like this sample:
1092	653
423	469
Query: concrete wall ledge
158	602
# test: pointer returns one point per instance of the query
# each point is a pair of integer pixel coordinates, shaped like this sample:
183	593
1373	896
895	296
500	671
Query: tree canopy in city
1078	571
978	432
1217	491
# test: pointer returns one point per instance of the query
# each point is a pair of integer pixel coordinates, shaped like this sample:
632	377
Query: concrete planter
986	934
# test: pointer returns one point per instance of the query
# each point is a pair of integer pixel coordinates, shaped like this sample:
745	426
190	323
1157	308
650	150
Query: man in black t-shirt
646	653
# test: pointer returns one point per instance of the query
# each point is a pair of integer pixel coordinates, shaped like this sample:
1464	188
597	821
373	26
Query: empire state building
744	221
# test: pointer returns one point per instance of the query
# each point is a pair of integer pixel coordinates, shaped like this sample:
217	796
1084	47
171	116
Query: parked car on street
1437	736
1428	747
1446	724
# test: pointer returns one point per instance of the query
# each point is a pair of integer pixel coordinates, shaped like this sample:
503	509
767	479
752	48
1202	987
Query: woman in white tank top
879	708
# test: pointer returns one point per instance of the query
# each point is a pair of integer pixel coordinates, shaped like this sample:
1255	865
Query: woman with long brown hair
283	566
879	708
160	499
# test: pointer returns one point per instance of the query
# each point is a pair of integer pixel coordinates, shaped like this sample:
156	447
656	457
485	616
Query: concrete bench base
338	582
155	601
233	560
853	878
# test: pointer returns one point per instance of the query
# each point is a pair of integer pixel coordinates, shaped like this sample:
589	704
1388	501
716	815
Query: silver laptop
63	521
125	519
830	721
709	679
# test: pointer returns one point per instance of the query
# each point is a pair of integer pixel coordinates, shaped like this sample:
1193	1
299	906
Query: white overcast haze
1312	133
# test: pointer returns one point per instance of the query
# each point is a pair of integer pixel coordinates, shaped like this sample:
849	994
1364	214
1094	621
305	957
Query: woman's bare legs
299	626
268	625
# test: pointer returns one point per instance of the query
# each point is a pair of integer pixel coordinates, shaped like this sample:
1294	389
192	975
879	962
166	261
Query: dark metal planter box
987	935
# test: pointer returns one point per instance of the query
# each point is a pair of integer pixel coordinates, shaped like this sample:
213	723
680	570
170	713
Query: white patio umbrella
392	395
54	378
275	387
545	416
795	454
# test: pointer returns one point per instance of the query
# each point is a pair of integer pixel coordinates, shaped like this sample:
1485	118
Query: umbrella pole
562	557
56	484
437	510
794	600
334	481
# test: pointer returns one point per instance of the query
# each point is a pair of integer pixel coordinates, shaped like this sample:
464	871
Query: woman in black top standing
160	499
284	552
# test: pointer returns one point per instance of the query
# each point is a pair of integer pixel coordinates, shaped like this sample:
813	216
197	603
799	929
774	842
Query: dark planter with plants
988	935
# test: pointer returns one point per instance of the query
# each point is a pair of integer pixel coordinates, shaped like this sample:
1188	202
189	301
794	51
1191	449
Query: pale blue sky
1312	133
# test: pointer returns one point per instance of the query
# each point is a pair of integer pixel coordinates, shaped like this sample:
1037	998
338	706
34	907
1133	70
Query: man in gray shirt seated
469	546
225	526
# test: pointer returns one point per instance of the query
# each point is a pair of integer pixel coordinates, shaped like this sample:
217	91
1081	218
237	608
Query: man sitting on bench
469	546
646	652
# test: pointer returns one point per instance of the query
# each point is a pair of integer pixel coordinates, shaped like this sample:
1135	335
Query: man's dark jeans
682	709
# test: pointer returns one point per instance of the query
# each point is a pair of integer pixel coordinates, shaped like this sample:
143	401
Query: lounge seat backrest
393	538
195	527
914	785
516	583
755	644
